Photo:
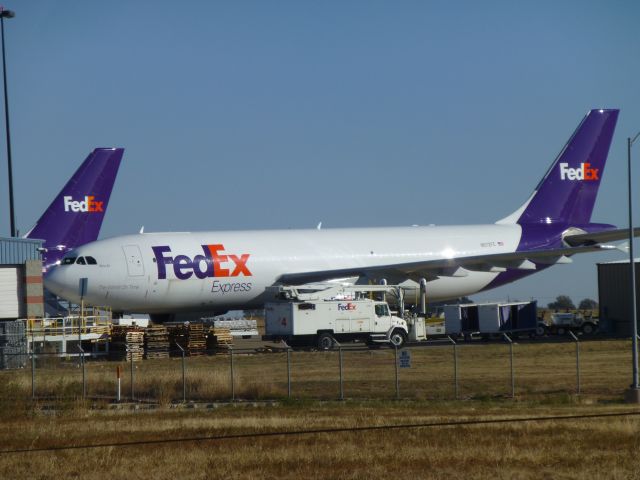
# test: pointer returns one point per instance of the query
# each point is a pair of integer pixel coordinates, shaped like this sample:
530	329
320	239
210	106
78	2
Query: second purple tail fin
567	193
75	215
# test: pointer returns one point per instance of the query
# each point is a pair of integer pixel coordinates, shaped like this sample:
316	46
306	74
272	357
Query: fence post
341	377
84	382
288	371
455	366
33	366
513	380
233	389
184	380
119	383
575	338
395	356
132	398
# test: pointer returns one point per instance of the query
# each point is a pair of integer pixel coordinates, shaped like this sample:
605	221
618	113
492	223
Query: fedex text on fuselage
213	263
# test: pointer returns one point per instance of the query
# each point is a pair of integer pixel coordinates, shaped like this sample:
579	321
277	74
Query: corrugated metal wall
614	292
16	251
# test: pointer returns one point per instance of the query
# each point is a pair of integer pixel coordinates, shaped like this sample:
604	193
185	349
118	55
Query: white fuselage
219	271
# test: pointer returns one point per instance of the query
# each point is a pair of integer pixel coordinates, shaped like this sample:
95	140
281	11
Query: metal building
21	293
614	296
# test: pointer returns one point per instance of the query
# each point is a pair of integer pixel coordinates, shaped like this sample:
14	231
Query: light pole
7	14
633	394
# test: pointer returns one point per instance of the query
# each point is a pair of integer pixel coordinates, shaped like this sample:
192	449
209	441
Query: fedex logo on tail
213	263
584	172
89	204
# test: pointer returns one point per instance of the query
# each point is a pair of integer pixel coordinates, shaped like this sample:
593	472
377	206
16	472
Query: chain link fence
441	370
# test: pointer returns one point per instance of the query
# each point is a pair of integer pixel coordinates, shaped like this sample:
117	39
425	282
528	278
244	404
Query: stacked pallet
127	343
197	341
190	337
177	336
156	342
219	338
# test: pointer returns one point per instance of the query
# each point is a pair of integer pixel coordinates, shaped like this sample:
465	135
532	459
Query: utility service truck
561	323
329	314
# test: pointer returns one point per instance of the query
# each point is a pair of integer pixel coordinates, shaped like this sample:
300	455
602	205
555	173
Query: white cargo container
461	319
322	322
490	318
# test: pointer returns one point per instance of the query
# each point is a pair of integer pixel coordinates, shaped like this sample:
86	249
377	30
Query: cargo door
132	254
361	324
11	292
342	325
469	318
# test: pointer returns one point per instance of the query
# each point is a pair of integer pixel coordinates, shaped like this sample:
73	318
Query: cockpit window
68	260
81	261
91	260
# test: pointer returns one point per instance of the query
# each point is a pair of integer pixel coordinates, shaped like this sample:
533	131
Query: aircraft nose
55	280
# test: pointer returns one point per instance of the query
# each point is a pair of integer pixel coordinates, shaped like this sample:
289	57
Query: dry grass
545	380
593	448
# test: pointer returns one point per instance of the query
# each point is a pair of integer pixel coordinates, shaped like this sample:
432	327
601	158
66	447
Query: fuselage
219	271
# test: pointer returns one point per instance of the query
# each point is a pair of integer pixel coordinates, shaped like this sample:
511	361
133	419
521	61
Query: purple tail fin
75	215
567	193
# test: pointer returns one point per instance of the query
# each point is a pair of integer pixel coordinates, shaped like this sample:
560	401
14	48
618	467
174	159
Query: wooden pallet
127	343
156	342
190	337
220	338
156	355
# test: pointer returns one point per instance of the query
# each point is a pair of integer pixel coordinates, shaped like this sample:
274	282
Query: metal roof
635	260
14	251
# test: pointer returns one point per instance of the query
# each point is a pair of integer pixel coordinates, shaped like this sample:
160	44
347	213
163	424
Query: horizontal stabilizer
582	239
623	247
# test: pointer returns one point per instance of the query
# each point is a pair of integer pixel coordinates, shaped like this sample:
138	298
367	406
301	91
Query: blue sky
249	114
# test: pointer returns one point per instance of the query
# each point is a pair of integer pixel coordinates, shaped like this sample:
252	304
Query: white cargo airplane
166	273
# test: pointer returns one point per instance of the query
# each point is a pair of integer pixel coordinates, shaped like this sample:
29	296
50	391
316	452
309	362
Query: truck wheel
561	331
541	330
588	328
397	338
325	341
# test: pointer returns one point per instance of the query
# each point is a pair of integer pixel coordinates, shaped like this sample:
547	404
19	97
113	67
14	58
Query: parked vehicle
561	323
323	318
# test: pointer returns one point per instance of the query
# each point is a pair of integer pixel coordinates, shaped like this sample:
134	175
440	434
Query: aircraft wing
583	239
453	267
